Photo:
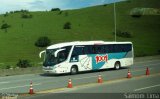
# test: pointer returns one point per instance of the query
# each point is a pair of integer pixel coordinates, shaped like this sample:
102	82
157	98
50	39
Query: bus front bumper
54	70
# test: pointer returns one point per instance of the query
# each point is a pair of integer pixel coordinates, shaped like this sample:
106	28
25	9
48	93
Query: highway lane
150	84
21	83
143	86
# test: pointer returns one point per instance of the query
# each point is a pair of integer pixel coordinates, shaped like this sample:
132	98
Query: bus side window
93	50
117	48
83	51
127	47
101	49
109	48
74	56
98	50
104	49
89	49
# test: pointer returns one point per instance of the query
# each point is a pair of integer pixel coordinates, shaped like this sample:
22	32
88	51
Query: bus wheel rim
117	66
73	70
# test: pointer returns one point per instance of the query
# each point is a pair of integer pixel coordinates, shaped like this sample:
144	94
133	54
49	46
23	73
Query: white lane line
15	81
147	87
20	86
156	64
141	70
31	79
86	77
24	80
152	64
3	82
148	61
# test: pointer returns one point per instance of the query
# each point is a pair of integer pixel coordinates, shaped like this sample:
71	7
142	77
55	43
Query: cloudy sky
42	5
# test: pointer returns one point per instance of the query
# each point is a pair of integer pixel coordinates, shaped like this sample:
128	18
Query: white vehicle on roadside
74	57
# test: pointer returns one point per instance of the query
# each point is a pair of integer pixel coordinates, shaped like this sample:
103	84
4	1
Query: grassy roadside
20	71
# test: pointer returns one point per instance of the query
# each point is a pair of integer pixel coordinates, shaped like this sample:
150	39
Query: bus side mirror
57	51
40	54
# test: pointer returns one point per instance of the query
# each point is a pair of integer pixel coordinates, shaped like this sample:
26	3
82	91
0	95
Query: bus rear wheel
74	70
117	65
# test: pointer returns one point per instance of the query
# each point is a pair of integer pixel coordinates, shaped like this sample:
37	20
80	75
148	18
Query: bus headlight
56	66
48	68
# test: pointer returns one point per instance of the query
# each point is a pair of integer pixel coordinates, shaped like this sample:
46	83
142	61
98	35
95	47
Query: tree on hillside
124	34
5	26
55	9
3	21
6	14
26	15
67	25
60	13
43	42
66	13
23	11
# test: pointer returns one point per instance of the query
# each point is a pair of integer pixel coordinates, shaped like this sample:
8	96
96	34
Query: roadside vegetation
43	42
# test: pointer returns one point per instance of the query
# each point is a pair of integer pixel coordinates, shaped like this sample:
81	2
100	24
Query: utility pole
115	24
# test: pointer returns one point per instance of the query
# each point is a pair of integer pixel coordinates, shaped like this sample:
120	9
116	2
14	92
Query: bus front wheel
74	70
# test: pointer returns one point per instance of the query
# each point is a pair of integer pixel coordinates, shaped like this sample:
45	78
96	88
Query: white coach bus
73	57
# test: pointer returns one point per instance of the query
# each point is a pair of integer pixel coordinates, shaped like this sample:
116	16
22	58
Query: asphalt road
43	83
142	84
144	87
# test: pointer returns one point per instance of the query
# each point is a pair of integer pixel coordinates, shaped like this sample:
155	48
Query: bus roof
59	45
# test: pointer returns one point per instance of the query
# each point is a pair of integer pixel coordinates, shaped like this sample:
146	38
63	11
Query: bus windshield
51	59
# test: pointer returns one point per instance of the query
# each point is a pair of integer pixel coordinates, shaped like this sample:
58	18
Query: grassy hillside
92	23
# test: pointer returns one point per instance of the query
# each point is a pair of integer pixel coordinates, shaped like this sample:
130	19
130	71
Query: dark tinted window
95	49
101	49
113	48
78	50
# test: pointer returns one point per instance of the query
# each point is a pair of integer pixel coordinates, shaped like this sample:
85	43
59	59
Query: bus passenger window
99	50
93	50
